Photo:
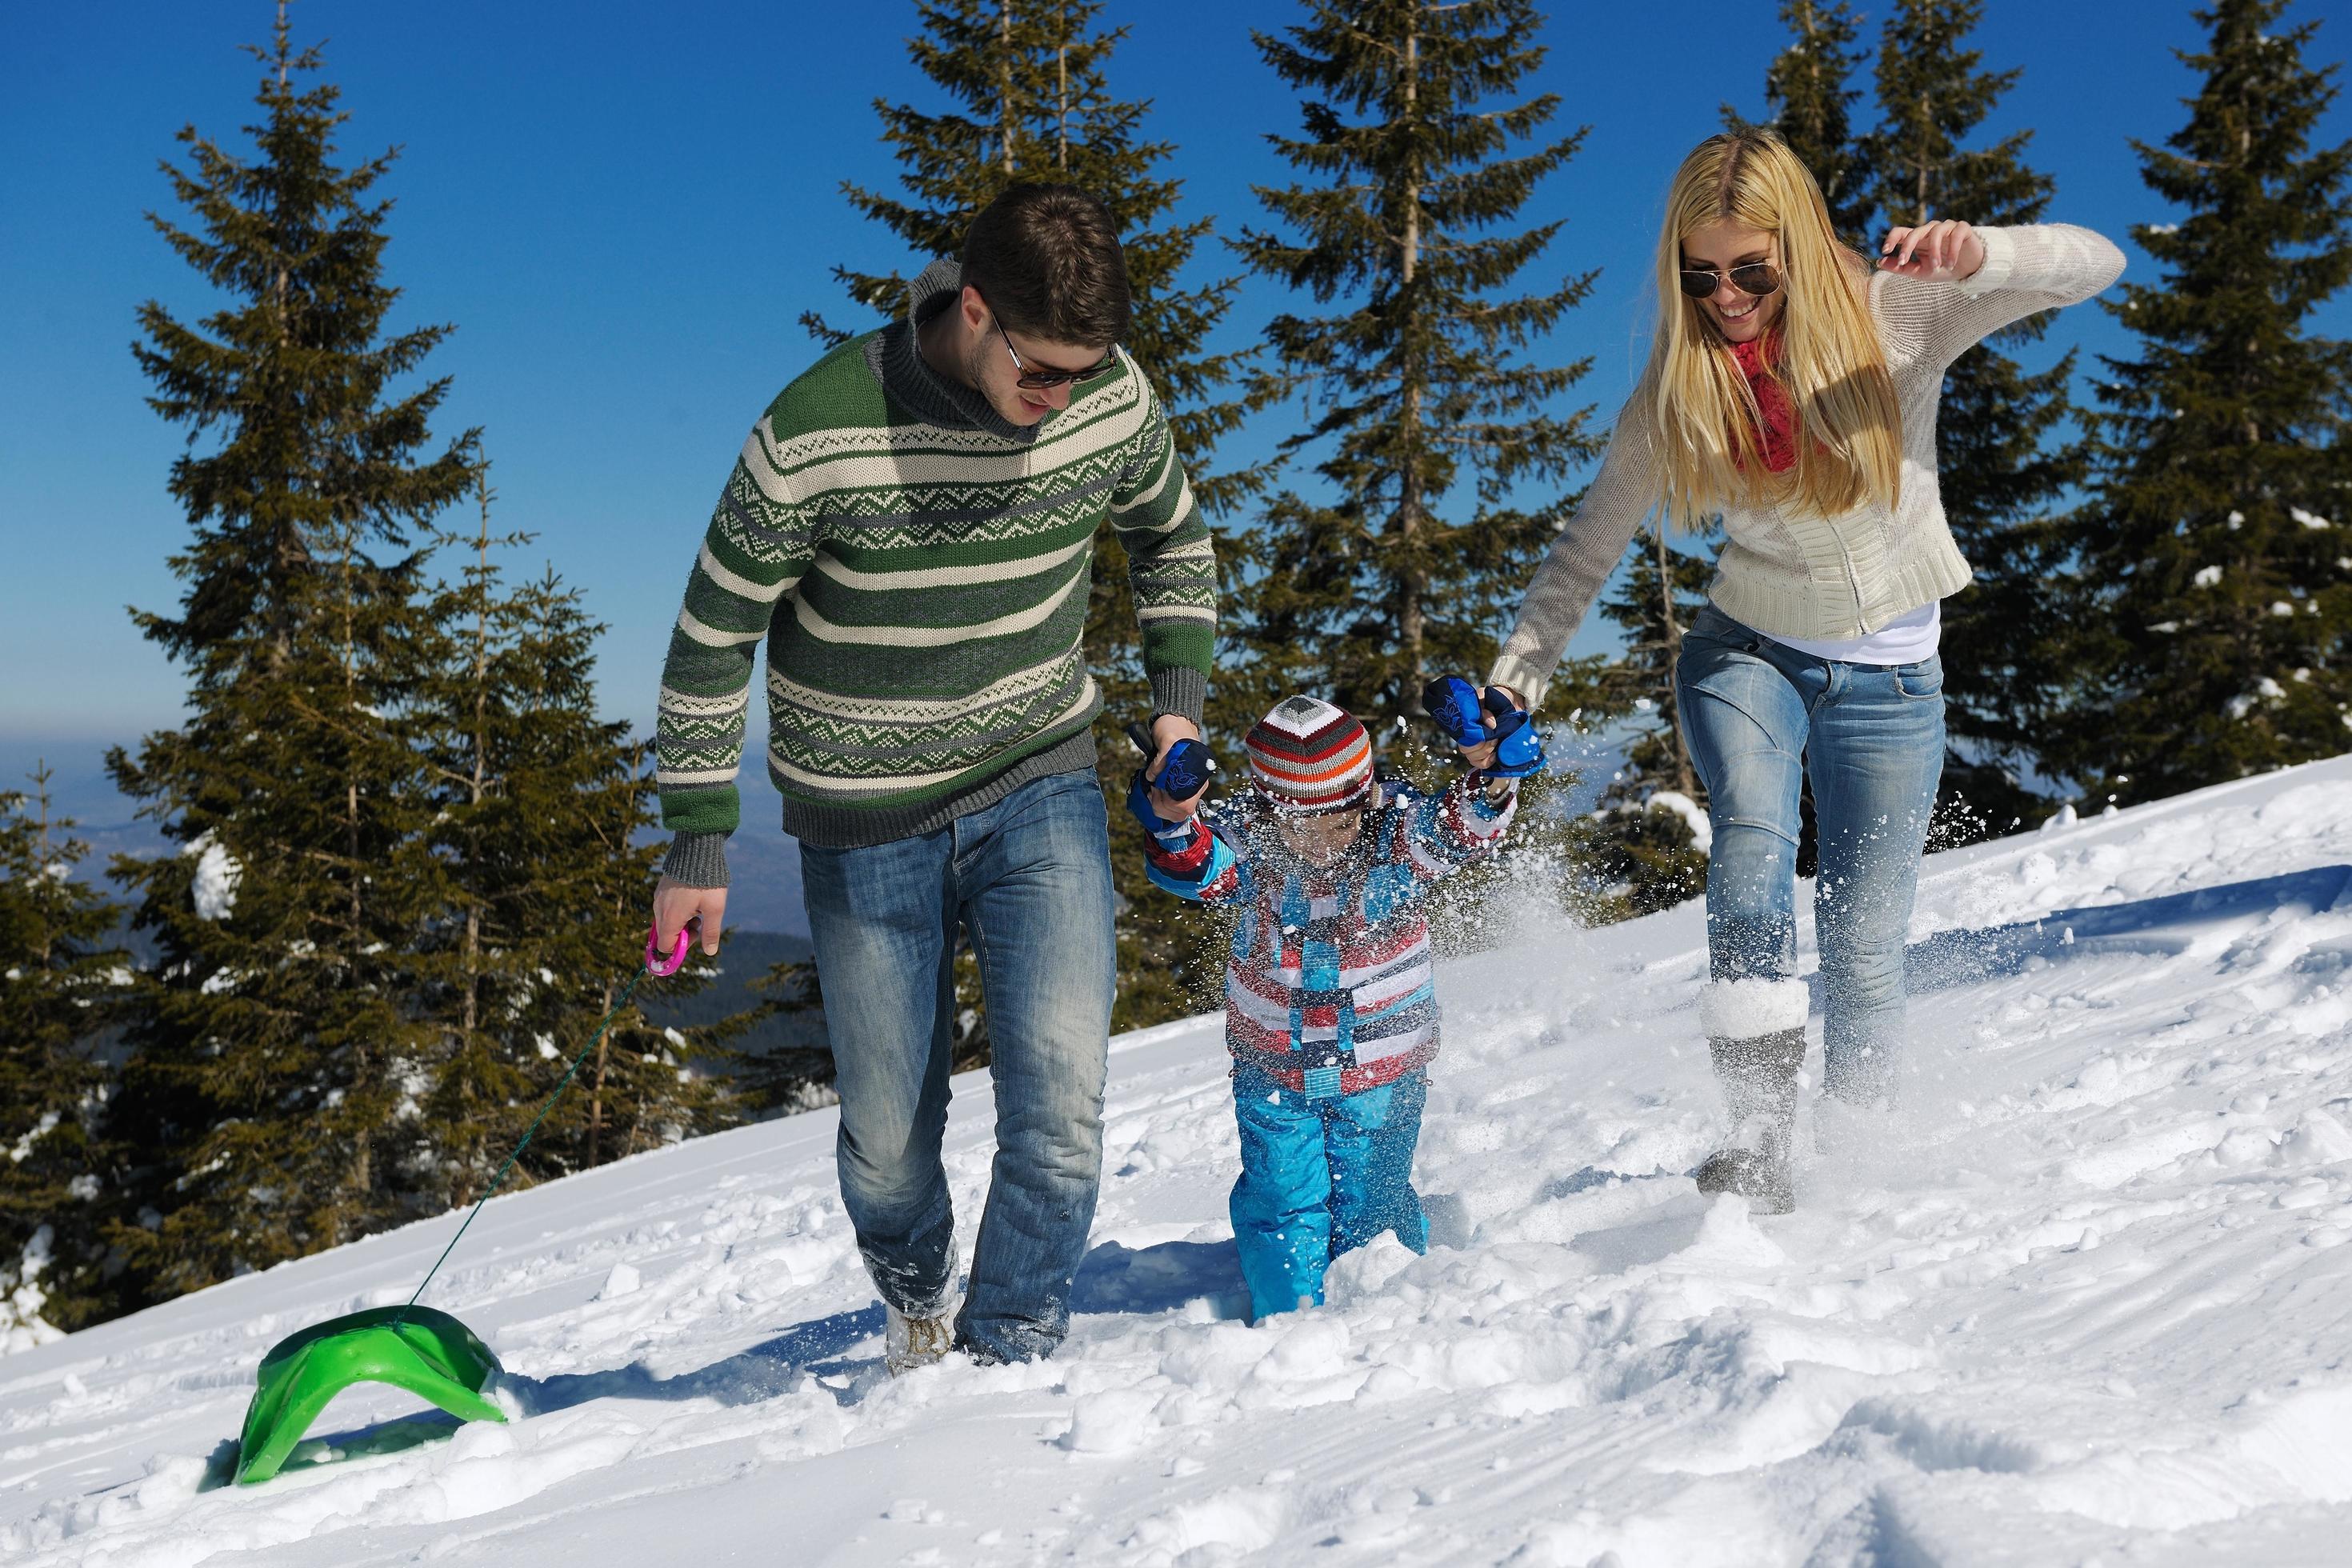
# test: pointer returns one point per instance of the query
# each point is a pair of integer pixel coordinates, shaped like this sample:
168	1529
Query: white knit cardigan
1793	573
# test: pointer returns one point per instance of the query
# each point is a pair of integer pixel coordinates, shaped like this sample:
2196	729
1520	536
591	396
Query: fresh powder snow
2086	1296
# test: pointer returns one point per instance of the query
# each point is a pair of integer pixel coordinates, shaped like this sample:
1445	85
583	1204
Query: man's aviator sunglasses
1758	278
1039	380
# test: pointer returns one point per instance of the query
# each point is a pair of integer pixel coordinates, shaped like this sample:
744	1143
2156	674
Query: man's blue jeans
1030	876
1760	717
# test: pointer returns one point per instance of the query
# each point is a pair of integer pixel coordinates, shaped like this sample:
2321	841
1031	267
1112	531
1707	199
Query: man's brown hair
1046	260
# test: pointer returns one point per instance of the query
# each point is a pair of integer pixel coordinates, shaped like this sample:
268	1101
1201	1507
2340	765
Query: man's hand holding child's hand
1167	729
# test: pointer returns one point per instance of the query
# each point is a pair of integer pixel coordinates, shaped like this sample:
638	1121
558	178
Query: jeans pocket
1920	681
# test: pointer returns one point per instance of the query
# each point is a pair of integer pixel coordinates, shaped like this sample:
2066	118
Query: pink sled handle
663	968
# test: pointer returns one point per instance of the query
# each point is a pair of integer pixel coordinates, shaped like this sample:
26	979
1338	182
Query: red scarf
1756	359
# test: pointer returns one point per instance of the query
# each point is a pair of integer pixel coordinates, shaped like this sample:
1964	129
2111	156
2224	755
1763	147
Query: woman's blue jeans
1030	876
1759	718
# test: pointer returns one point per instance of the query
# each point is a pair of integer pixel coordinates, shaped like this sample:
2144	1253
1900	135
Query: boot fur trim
1743	1009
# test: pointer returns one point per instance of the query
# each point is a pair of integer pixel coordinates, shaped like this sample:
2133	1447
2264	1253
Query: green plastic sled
429	1353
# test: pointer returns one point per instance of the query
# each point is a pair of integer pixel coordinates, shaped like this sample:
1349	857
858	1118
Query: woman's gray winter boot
1756	1033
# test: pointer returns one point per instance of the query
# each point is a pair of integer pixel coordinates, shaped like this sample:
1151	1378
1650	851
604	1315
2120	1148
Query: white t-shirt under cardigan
1908	638
1792	575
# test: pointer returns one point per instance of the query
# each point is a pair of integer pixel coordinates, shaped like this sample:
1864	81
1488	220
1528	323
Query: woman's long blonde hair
1848	428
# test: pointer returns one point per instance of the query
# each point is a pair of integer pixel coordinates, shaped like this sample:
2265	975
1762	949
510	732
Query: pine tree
263	1070
780	1079
266	1059
1029	99
1662	592
1807	99
2215	558
1419	163
1033	102
1640	853
2004	465
541	886
62	981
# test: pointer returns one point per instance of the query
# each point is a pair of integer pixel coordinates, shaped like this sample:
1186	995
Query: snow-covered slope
2088	1296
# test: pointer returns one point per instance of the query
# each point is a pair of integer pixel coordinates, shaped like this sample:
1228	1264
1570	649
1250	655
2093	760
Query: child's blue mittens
1518	744
1183	775
1455	703
1186	772
1138	804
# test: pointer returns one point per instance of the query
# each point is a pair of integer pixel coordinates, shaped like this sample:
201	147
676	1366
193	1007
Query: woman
1793	388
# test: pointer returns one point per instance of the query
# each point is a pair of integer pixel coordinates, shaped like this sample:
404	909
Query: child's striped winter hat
1307	757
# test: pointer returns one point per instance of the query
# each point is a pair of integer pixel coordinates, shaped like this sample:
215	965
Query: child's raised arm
1185	858
1500	743
1461	823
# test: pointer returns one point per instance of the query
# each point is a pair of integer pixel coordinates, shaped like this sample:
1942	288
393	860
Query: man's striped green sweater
919	567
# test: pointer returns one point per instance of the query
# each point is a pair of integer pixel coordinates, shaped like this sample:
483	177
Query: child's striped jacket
1328	988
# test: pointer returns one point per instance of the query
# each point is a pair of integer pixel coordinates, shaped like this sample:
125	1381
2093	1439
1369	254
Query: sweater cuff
1522	678
696	859
2000	259
1181	690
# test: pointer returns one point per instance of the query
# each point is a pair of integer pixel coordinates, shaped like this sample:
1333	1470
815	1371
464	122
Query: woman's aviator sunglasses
1758	278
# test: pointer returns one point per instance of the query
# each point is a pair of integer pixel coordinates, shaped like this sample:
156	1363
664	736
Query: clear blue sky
624	208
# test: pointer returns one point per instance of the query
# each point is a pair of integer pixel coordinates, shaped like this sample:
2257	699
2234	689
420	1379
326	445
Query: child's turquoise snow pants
1319	1177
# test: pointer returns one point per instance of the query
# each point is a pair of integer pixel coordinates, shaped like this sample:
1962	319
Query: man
910	529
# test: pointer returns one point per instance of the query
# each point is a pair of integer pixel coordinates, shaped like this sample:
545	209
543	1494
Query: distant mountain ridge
744	959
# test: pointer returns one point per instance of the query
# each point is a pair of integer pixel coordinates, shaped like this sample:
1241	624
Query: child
1329	1009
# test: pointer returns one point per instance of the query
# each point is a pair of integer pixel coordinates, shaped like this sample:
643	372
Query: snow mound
2083	1297
218	872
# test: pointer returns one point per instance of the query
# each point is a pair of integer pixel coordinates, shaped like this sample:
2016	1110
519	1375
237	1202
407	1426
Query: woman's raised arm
2034	268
